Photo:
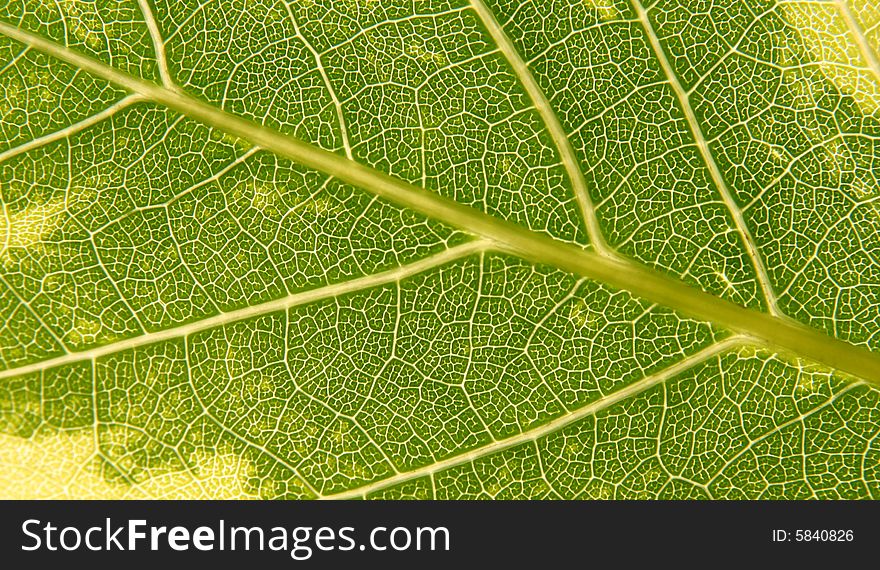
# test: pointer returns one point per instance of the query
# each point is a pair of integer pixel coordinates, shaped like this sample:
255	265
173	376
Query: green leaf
314	249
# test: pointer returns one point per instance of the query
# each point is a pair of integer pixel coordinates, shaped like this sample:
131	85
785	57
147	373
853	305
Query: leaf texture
487	249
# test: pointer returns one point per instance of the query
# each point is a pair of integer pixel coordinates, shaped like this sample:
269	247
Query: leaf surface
593	249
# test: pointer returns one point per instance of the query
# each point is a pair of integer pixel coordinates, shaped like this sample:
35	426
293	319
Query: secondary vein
158	43
69	130
550	120
706	154
861	40
552	426
284	303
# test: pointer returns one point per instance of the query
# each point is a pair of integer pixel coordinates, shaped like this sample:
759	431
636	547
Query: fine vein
800	418
650	284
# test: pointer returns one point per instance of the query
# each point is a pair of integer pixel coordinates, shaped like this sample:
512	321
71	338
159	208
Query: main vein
650	284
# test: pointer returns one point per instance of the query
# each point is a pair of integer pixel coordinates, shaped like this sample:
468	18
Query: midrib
644	282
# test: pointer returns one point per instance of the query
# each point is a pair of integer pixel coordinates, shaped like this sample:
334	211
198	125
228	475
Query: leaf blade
372	432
